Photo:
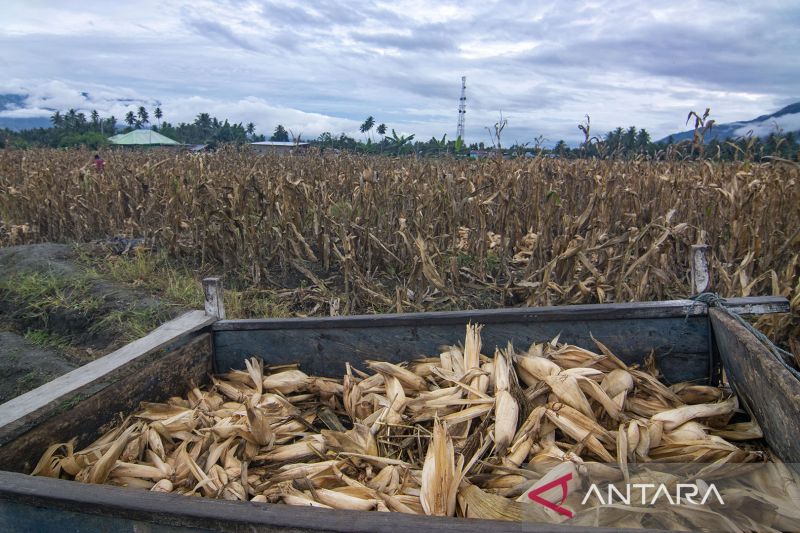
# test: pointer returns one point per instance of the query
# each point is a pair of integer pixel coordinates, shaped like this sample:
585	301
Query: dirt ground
56	316
25	365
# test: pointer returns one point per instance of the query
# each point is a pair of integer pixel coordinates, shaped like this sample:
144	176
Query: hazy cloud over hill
327	65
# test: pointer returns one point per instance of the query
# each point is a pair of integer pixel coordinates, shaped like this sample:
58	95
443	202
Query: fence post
701	279
212	289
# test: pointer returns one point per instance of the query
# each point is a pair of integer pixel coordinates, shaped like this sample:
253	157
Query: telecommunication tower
462	108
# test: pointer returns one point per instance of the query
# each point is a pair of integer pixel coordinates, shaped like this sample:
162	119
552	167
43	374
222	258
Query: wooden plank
637	310
116	506
681	344
701	280
22	406
214	300
155	377
21	517
768	389
762	305
673	308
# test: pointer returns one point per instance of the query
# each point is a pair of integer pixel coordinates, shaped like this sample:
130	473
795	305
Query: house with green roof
142	137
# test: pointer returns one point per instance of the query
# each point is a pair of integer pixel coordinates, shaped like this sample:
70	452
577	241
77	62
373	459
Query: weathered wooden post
212	289
701	279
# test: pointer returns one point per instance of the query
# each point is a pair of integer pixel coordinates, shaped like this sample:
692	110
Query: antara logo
684	493
563	483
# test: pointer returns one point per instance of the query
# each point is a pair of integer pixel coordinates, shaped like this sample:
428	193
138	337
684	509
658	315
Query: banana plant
439	145
400	140
459	145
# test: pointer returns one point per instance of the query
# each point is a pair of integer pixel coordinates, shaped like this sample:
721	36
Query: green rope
712	299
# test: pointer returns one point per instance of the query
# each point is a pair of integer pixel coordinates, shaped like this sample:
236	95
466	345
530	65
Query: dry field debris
459	434
375	234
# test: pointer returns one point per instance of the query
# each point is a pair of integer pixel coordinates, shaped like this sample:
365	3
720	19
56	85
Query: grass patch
152	271
177	284
46	339
36	295
133	323
254	304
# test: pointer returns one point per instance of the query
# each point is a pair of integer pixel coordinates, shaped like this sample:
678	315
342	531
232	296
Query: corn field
351	233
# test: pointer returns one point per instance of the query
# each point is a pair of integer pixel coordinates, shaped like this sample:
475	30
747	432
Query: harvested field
350	234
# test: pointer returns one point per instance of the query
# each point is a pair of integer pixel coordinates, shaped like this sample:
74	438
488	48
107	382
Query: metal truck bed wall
323	345
689	342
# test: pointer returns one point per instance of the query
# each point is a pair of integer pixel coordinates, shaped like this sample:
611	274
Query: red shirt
99	165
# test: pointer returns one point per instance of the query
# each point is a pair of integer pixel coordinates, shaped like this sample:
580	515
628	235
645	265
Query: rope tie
713	299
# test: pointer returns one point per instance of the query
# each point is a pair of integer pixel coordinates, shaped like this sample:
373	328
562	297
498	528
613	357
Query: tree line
75	128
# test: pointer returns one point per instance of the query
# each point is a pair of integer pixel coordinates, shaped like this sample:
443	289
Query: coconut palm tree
280	134
158	114
381	129
204	123
130	119
250	129
110	124
57	119
367	125
81	122
70	120
143	115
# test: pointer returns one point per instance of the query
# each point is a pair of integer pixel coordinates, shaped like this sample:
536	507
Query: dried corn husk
275	434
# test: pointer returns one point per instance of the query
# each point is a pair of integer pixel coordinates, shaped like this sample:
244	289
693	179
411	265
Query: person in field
99	163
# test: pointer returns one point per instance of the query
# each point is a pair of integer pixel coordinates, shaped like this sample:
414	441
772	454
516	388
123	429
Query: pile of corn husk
461	434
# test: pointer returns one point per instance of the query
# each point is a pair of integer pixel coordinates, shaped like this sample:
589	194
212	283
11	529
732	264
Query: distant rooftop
279	143
142	137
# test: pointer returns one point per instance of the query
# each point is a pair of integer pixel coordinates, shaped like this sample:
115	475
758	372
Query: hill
787	119
16	101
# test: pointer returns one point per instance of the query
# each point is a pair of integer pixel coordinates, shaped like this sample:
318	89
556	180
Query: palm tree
130	119
80	122
643	140
70	119
57	119
204	123
250	129
280	134
95	118
629	140
560	148
158	114
143	115
367	125
381	129
439	145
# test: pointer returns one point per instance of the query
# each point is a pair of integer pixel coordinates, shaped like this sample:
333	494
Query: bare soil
73	320
25	366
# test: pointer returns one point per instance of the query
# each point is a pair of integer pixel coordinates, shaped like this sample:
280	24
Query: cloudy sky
324	66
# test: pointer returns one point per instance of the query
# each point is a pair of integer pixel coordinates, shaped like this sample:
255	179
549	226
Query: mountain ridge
787	119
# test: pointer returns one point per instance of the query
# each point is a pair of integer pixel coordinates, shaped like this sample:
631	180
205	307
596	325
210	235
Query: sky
322	66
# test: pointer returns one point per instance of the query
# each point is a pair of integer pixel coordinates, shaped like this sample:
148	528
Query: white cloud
790	122
26	112
44	98
327	65
266	115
